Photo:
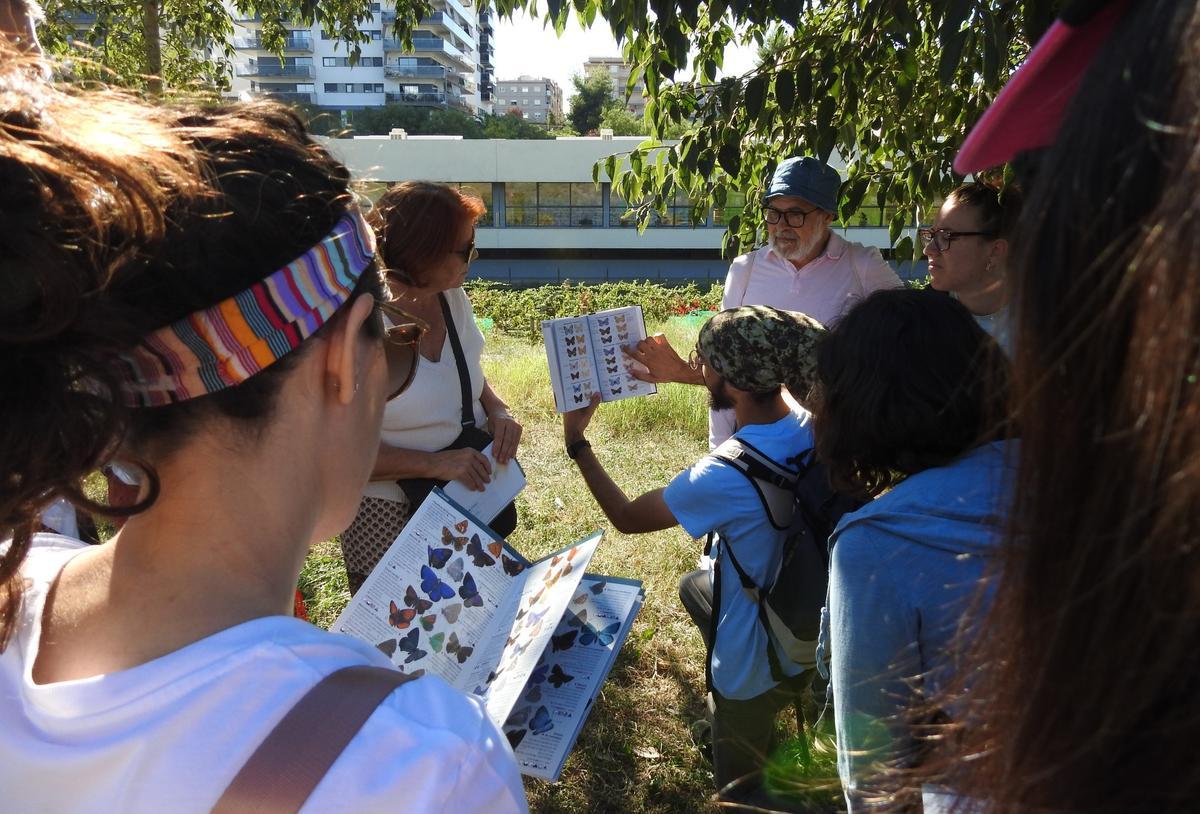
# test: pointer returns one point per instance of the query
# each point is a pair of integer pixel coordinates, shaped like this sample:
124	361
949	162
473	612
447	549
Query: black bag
471	436
801	501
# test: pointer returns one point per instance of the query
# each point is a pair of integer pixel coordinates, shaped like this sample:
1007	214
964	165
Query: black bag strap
460	360
286	767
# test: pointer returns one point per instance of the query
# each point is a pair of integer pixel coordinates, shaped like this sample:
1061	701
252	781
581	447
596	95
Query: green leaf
785	91
756	92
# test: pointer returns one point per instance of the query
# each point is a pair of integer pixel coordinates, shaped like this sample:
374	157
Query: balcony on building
440	19
268	71
298	41
423	98
429	45
297	97
402	70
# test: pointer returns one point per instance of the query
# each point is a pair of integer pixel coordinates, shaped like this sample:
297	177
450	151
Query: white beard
800	250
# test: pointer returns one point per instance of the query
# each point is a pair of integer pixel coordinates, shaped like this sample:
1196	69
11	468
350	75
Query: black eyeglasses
792	217
402	337
942	238
468	254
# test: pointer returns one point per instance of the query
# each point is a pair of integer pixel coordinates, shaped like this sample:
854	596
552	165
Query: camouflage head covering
757	348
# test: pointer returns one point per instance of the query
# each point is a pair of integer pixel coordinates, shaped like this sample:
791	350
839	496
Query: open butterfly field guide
585	357
534	640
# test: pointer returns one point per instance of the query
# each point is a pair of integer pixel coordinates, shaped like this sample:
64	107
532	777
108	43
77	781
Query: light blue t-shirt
713	496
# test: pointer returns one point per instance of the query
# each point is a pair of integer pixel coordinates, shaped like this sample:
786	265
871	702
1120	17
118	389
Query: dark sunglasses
942	238
468	254
401	341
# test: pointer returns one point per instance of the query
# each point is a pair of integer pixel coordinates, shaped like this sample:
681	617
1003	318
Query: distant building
618	71
449	64
539	99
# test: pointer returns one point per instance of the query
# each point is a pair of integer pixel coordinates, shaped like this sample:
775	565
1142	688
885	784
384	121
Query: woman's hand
506	435
468	466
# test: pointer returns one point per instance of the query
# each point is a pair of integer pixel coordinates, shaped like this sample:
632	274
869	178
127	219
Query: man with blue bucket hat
804	267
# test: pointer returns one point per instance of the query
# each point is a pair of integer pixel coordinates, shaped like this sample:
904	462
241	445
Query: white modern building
618	71
538	98
449	64
547	221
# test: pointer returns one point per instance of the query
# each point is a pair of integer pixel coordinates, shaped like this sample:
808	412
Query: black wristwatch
574	447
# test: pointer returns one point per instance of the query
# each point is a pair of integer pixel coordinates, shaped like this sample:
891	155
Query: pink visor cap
1027	113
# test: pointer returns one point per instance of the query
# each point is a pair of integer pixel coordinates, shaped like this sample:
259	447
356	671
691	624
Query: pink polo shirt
825	289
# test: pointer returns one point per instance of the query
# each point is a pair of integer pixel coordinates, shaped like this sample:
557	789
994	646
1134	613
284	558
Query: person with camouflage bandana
743	356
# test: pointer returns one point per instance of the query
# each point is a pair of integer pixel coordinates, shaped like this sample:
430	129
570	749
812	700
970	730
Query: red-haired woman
427	242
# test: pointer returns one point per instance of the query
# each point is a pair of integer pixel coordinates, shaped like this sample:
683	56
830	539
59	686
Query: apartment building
618	72
539	99
449	64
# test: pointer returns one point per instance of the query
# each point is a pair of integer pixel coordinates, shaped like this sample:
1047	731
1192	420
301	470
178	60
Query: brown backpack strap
288	765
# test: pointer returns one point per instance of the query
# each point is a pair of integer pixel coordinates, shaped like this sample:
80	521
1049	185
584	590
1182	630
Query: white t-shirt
169	735
824	289
428	415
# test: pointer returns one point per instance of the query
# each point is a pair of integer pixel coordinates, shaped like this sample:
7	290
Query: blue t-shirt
713	496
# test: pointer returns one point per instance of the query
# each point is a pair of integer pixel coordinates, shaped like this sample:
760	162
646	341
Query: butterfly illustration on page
535	618
563	641
557	677
435	641
578	388
604	636
434	588
572	352
398	617
598	587
570	341
576	619
515	736
512	567
427	622
575	375
534	695
475	551
616	391
456	540
540	723
469	593
605	333
455	569
622	336
451	612
602	321
438	557
519	717
578	399
539	674
533	600
579	600
414	600
461	526
457	649
571	554
408	644
387	647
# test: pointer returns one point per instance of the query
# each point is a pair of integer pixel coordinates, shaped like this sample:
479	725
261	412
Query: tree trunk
153	41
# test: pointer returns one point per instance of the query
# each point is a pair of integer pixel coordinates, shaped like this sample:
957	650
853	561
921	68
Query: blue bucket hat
806	177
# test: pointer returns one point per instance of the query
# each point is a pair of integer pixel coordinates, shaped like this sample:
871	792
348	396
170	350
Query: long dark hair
908	381
120	217
1087	660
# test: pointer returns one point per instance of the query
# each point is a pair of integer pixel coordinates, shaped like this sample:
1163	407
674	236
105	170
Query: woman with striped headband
196	290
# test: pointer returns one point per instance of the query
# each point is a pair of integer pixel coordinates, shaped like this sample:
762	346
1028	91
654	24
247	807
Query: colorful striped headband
225	344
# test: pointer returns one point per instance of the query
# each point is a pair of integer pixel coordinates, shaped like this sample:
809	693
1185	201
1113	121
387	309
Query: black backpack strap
460	360
773	483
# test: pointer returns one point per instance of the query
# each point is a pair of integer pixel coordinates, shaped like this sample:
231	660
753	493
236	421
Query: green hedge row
520	311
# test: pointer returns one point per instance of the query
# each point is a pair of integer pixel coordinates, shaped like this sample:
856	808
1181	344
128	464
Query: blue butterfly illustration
539	675
540	724
604	637
438	556
558	677
434	587
408	644
456	570
468	592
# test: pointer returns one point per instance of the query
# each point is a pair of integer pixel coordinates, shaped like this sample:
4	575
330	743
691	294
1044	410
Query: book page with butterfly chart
549	585
609	332
545	723
439	598
573	367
